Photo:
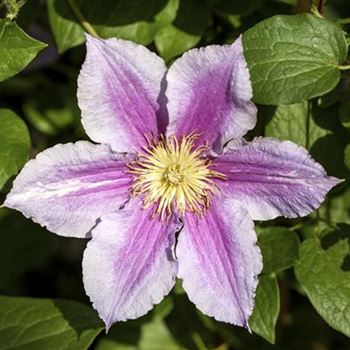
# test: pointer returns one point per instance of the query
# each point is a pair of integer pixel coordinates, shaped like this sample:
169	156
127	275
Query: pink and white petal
128	265
273	178
209	92
219	262
68	187
118	91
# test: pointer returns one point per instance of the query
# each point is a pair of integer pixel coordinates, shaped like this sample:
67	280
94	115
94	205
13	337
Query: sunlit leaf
137	20
266	309
42	324
324	272
15	144
293	58
184	32
17	49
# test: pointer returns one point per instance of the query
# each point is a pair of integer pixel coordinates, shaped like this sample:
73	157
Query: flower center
174	174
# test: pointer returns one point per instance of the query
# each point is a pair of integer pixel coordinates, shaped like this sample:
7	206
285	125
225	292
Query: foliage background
303	299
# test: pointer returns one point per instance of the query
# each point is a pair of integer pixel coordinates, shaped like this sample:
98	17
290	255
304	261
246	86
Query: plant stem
82	20
344	67
13	7
223	346
198	341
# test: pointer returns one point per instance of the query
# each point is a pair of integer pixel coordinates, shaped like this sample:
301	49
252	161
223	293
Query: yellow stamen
174	174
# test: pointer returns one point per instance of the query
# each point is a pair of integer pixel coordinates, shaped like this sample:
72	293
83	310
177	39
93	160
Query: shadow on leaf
81	318
331	237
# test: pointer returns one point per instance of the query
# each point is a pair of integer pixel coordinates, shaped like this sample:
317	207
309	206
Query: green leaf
290	122
42	324
324	272
63	24
339	93
315	129
155	335
15	145
137	20
279	248
337	206
184	32
17	49
293	58
266	309
296	123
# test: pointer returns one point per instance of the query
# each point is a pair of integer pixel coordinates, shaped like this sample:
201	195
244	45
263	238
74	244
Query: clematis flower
172	188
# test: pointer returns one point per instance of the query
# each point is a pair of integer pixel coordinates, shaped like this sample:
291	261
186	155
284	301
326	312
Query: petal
118	88
273	178
209	92
129	266
67	187
219	262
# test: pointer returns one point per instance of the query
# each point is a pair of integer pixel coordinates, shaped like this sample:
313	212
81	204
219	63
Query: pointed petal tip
108	324
223	71
330	182
336	181
43	190
87	36
4	204
119	288
223	288
298	186
108	104
238	42
90	37
10	200
11	205
92	41
95	40
110	319
232	321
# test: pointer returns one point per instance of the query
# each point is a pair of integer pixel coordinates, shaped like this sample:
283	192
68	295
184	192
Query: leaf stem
13	7
198	341
297	226
223	346
315	11
82	20
346	67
